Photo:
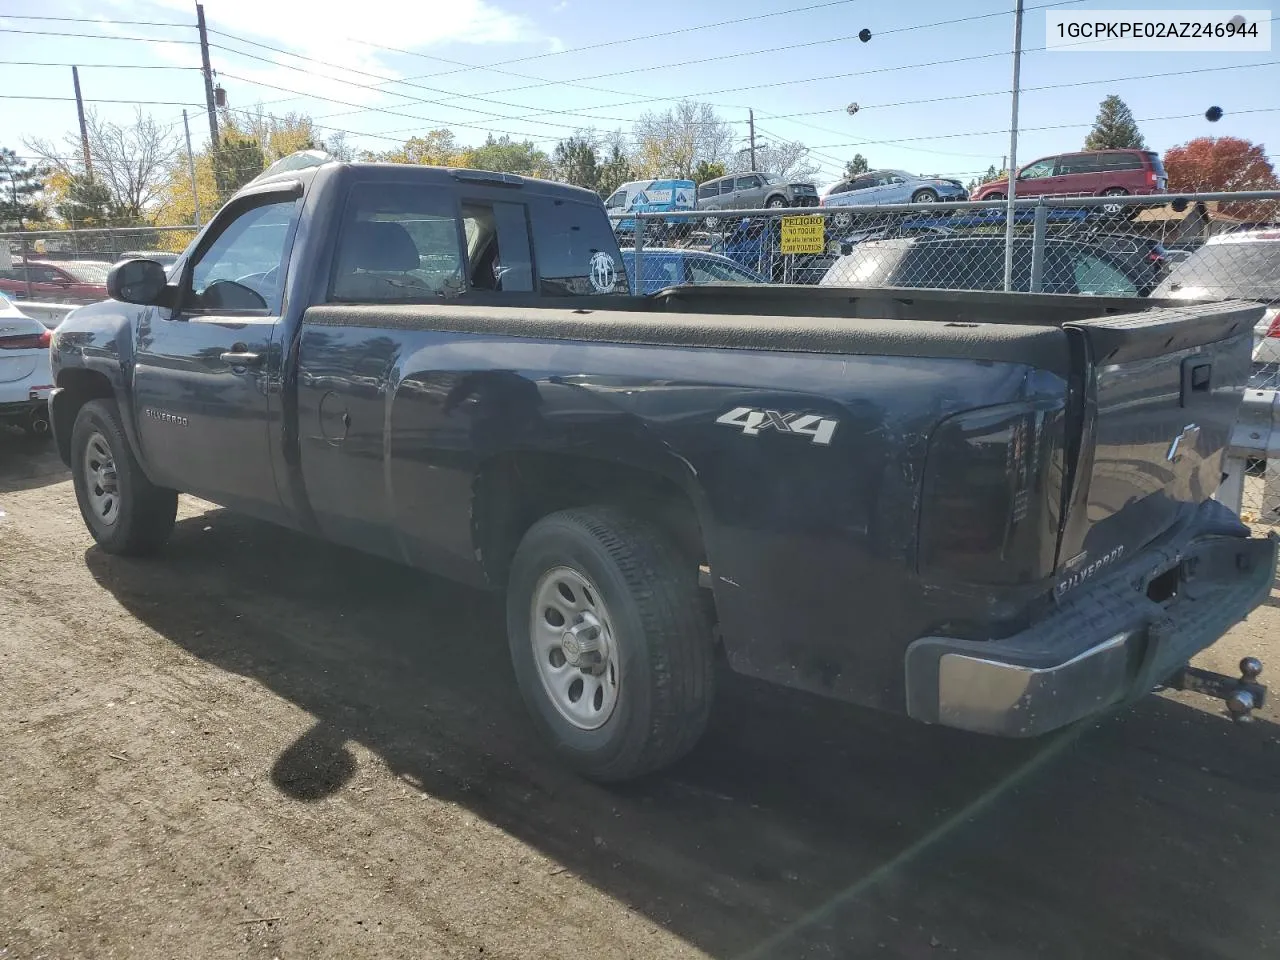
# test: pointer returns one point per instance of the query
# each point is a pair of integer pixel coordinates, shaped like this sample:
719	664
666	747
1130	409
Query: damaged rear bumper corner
1109	644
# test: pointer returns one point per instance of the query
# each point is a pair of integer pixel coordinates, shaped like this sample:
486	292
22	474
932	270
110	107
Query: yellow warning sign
802	235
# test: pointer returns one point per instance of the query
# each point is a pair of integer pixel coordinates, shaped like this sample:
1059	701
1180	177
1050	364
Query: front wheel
124	511
924	196
610	642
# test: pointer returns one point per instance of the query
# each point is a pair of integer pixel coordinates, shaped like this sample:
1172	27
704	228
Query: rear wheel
775	202
125	512
1117	209
610	642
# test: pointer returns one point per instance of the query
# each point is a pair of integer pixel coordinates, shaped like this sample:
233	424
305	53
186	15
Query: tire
924	196
774	203
139	517
1118	210
656	687
711	223
994	196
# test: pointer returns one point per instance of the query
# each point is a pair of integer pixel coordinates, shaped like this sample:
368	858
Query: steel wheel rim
102	483
573	648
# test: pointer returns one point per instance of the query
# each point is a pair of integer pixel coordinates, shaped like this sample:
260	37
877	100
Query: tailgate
1160	390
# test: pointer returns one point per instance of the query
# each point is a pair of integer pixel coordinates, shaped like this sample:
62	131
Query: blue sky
564	88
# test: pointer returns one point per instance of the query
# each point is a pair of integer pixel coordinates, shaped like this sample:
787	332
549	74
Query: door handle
240	356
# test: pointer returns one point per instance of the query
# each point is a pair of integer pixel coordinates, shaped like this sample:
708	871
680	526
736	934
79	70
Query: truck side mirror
138	281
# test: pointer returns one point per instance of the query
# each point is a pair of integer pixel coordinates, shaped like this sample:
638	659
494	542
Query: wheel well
514	492
77	388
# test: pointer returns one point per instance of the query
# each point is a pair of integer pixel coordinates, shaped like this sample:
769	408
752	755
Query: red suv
1093	173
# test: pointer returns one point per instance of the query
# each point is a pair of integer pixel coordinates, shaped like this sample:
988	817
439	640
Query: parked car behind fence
754	191
977	263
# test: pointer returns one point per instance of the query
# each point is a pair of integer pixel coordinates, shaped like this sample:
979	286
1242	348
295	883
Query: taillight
1155	257
1274	329
27	341
992	494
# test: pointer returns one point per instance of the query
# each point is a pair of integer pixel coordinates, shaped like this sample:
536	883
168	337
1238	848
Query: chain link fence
70	266
1208	246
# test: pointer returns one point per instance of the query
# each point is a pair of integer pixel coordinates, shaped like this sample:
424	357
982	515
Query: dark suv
1091	173
754	191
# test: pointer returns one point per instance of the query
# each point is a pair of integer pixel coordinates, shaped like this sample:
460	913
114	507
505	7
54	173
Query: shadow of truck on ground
799	827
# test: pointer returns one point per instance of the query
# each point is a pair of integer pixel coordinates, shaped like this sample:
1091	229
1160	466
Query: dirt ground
261	746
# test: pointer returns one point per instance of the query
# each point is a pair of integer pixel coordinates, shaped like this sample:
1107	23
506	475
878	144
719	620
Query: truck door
204	370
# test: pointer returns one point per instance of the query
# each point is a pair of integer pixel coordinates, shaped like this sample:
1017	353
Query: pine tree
20	182
1115	128
856	166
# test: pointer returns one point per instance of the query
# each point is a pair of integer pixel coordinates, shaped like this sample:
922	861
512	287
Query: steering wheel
261	281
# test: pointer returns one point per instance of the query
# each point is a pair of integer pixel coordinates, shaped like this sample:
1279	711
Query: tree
20	184
1218	163
671	144
130	160
708	171
438	148
615	170
505	155
576	162
1211	164
87	202
785	159
239	159
856	166
991	174
1114	128
277	136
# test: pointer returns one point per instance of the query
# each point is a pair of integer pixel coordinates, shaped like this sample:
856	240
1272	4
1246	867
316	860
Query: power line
130	23
393	113
1056	126
86	66
778	49
387	80
93	36
1026	89
141	103
648	37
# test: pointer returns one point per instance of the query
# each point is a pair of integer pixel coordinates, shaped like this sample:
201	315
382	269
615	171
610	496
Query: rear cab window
576	252
403	242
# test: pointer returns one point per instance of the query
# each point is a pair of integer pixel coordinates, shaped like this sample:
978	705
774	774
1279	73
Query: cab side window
398	243
241	269
498	254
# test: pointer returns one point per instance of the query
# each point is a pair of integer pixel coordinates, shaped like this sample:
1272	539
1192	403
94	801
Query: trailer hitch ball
1250	667
1241	702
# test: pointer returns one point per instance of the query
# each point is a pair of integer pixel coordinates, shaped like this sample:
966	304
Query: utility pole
191	167
84	129
209	103
1013	148
751	123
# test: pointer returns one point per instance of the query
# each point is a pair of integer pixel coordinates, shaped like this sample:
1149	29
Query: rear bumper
1106	644
22	411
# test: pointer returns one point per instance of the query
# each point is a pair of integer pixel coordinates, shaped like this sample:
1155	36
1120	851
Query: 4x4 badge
751	421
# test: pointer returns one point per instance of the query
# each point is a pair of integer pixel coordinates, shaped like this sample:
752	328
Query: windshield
1224	270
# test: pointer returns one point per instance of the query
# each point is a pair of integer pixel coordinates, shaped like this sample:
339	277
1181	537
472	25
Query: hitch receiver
1242	694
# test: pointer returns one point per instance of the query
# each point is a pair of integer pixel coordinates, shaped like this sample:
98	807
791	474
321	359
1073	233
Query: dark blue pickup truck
987	511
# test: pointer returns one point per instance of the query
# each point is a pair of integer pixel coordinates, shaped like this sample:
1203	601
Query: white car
1243	265
25	375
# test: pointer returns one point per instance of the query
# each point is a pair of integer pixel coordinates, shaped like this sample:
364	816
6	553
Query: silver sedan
889	186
